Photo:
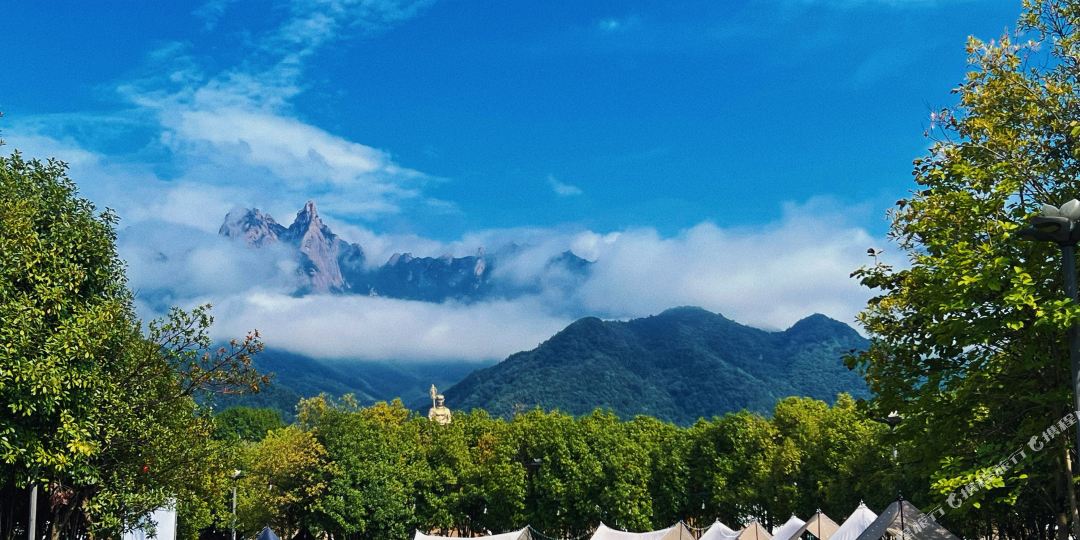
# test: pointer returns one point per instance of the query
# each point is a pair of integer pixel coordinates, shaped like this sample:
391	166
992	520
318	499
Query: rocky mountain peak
319	249
307	221
330	264
252	226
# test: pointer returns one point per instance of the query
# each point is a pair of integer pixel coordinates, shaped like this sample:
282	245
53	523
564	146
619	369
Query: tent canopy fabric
267	534
819	525
719	531
787	530
855	524
522	534
754	531
675	532
904	516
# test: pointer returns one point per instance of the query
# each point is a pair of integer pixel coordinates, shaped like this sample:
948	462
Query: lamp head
1070	210
1045	228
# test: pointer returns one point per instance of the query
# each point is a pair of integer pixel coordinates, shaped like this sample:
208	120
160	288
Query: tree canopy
969	336
98	412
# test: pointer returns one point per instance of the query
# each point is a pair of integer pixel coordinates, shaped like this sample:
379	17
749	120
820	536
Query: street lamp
236	475
1059	225
31	529
892	420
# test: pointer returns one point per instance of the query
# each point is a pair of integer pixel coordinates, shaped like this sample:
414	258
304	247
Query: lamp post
892	420
31	529
1059	225
235	478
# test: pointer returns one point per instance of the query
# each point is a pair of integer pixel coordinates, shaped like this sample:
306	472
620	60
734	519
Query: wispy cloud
211	12
218	137
563	189
215	138
617	24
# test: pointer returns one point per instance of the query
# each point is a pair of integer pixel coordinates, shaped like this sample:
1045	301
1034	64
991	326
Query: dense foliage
383	471
970	335
99	414
681	365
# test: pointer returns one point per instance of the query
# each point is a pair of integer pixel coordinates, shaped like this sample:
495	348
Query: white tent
903	520
819	525
523	534
164	520
675	532
719	531
855	524
787	530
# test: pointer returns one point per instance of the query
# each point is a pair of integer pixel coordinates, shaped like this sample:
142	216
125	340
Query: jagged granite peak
432	279
319	248
252	226
399	258
323	257
328	263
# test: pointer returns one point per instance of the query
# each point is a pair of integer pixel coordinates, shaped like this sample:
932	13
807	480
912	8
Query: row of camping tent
900	520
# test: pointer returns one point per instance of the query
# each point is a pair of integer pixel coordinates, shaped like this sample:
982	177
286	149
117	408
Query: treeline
383	471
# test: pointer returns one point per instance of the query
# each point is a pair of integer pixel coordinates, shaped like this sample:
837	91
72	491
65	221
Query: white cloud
231	138
768	276
361	327
211	12
563	189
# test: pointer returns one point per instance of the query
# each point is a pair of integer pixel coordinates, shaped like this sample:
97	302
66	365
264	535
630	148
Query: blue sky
691	128
661	113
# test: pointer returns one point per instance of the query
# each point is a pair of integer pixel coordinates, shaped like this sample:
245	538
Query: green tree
246	423
379	462
98	414
969	336
285	474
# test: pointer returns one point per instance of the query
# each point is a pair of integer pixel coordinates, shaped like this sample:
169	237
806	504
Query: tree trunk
55	525
1070	488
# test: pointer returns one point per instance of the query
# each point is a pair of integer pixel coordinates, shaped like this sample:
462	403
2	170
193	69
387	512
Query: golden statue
439	412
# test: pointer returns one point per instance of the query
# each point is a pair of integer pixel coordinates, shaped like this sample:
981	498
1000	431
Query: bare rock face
328	264
252	226
319	250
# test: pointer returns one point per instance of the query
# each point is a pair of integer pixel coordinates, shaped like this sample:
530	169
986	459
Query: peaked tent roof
267	534
787	530
819	525
855	524
754	531
719	531
903	516
675	532
522	534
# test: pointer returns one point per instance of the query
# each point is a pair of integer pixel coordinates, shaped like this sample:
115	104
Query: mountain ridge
327	264
679	365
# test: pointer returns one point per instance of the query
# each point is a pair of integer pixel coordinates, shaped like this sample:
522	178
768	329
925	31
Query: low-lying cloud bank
362	327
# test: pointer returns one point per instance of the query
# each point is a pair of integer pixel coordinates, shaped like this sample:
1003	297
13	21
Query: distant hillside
681	365
297	376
